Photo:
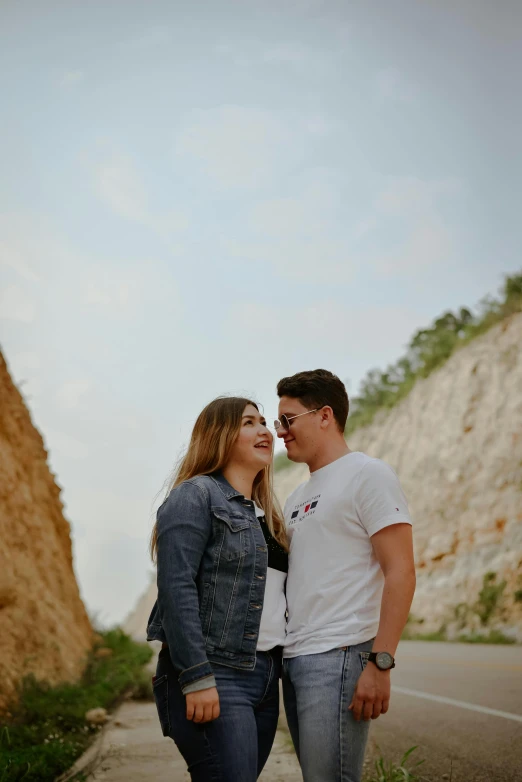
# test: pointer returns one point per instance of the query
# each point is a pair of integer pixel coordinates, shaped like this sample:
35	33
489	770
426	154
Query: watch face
384	660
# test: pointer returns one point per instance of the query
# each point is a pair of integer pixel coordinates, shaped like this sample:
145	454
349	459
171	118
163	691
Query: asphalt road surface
462	705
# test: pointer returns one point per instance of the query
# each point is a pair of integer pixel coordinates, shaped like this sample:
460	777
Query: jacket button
261	578
254	605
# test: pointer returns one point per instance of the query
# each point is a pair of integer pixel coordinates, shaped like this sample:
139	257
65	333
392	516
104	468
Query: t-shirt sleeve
380	500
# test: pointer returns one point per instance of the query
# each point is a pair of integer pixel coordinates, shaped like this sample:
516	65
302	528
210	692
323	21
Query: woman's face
253	446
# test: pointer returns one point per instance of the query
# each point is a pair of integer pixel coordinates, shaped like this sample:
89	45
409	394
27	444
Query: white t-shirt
335	582
272	630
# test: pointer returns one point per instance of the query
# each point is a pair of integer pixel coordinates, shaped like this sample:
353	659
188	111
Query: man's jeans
317	690
236	746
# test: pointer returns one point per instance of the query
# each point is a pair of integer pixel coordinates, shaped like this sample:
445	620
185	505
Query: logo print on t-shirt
311	506
302	509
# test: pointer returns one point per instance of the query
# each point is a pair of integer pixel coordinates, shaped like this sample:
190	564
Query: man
350	583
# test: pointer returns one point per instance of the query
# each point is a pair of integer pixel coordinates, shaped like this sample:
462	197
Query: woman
220	546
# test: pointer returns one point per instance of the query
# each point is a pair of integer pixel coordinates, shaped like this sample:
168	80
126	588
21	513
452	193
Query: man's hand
372	694
203	705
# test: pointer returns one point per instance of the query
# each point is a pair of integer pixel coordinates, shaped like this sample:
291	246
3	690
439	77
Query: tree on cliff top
428	349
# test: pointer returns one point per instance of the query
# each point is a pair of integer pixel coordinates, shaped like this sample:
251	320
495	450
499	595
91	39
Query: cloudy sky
201	197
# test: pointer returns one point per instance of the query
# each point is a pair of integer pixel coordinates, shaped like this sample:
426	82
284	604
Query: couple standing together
318	595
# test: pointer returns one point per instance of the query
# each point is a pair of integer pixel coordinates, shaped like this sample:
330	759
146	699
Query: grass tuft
386	771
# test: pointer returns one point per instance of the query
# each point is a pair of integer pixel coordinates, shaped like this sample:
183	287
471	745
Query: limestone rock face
456	444
44	626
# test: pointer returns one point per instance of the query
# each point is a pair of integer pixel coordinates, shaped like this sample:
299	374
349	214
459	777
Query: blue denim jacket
212	564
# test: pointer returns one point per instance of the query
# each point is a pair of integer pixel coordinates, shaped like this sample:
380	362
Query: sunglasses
284	421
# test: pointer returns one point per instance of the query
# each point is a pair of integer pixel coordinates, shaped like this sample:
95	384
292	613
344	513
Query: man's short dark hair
318	388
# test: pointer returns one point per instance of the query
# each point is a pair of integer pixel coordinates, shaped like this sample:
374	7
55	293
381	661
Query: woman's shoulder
191	494
198	485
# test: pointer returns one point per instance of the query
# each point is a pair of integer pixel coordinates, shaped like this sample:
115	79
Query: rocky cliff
456	444
45	628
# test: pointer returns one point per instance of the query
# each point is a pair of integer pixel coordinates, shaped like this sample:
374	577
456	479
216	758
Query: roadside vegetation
46	731
487	607
387	771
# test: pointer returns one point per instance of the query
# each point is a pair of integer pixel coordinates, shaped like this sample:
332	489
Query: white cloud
302	235
411	195
429	244
364	227
393	85
114	571
151	38
326	326
16	304
124	292
71	78
412	204
319	125
23	361
108	291
71	393
223	48
301	260
236	146
292	53
62	446
118	185
21	239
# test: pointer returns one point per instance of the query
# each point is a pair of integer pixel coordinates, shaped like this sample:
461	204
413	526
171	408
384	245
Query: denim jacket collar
228	490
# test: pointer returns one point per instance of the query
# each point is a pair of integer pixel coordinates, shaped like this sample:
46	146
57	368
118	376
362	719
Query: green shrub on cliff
429	349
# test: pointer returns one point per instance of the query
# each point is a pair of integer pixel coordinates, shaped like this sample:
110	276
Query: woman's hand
203	705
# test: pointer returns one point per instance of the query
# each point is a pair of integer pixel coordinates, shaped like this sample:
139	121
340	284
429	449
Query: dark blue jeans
236	746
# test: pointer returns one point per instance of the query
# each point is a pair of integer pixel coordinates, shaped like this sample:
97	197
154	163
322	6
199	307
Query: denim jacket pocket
234	522
235	541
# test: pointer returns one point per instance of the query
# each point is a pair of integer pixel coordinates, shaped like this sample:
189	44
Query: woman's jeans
235	747
317	690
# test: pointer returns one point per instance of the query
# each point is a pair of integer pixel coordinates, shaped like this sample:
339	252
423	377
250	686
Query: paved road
462	704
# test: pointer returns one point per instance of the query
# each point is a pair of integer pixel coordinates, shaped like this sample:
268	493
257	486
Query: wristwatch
383	660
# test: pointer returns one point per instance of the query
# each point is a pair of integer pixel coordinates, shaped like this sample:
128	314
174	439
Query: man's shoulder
353	464
363	471
371	465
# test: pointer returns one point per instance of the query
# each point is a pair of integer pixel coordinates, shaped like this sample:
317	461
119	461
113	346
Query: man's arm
393	548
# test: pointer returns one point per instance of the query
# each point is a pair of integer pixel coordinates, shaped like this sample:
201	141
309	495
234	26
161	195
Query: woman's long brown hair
215	432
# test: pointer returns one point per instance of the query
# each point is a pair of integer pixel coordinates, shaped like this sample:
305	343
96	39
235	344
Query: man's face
303	436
